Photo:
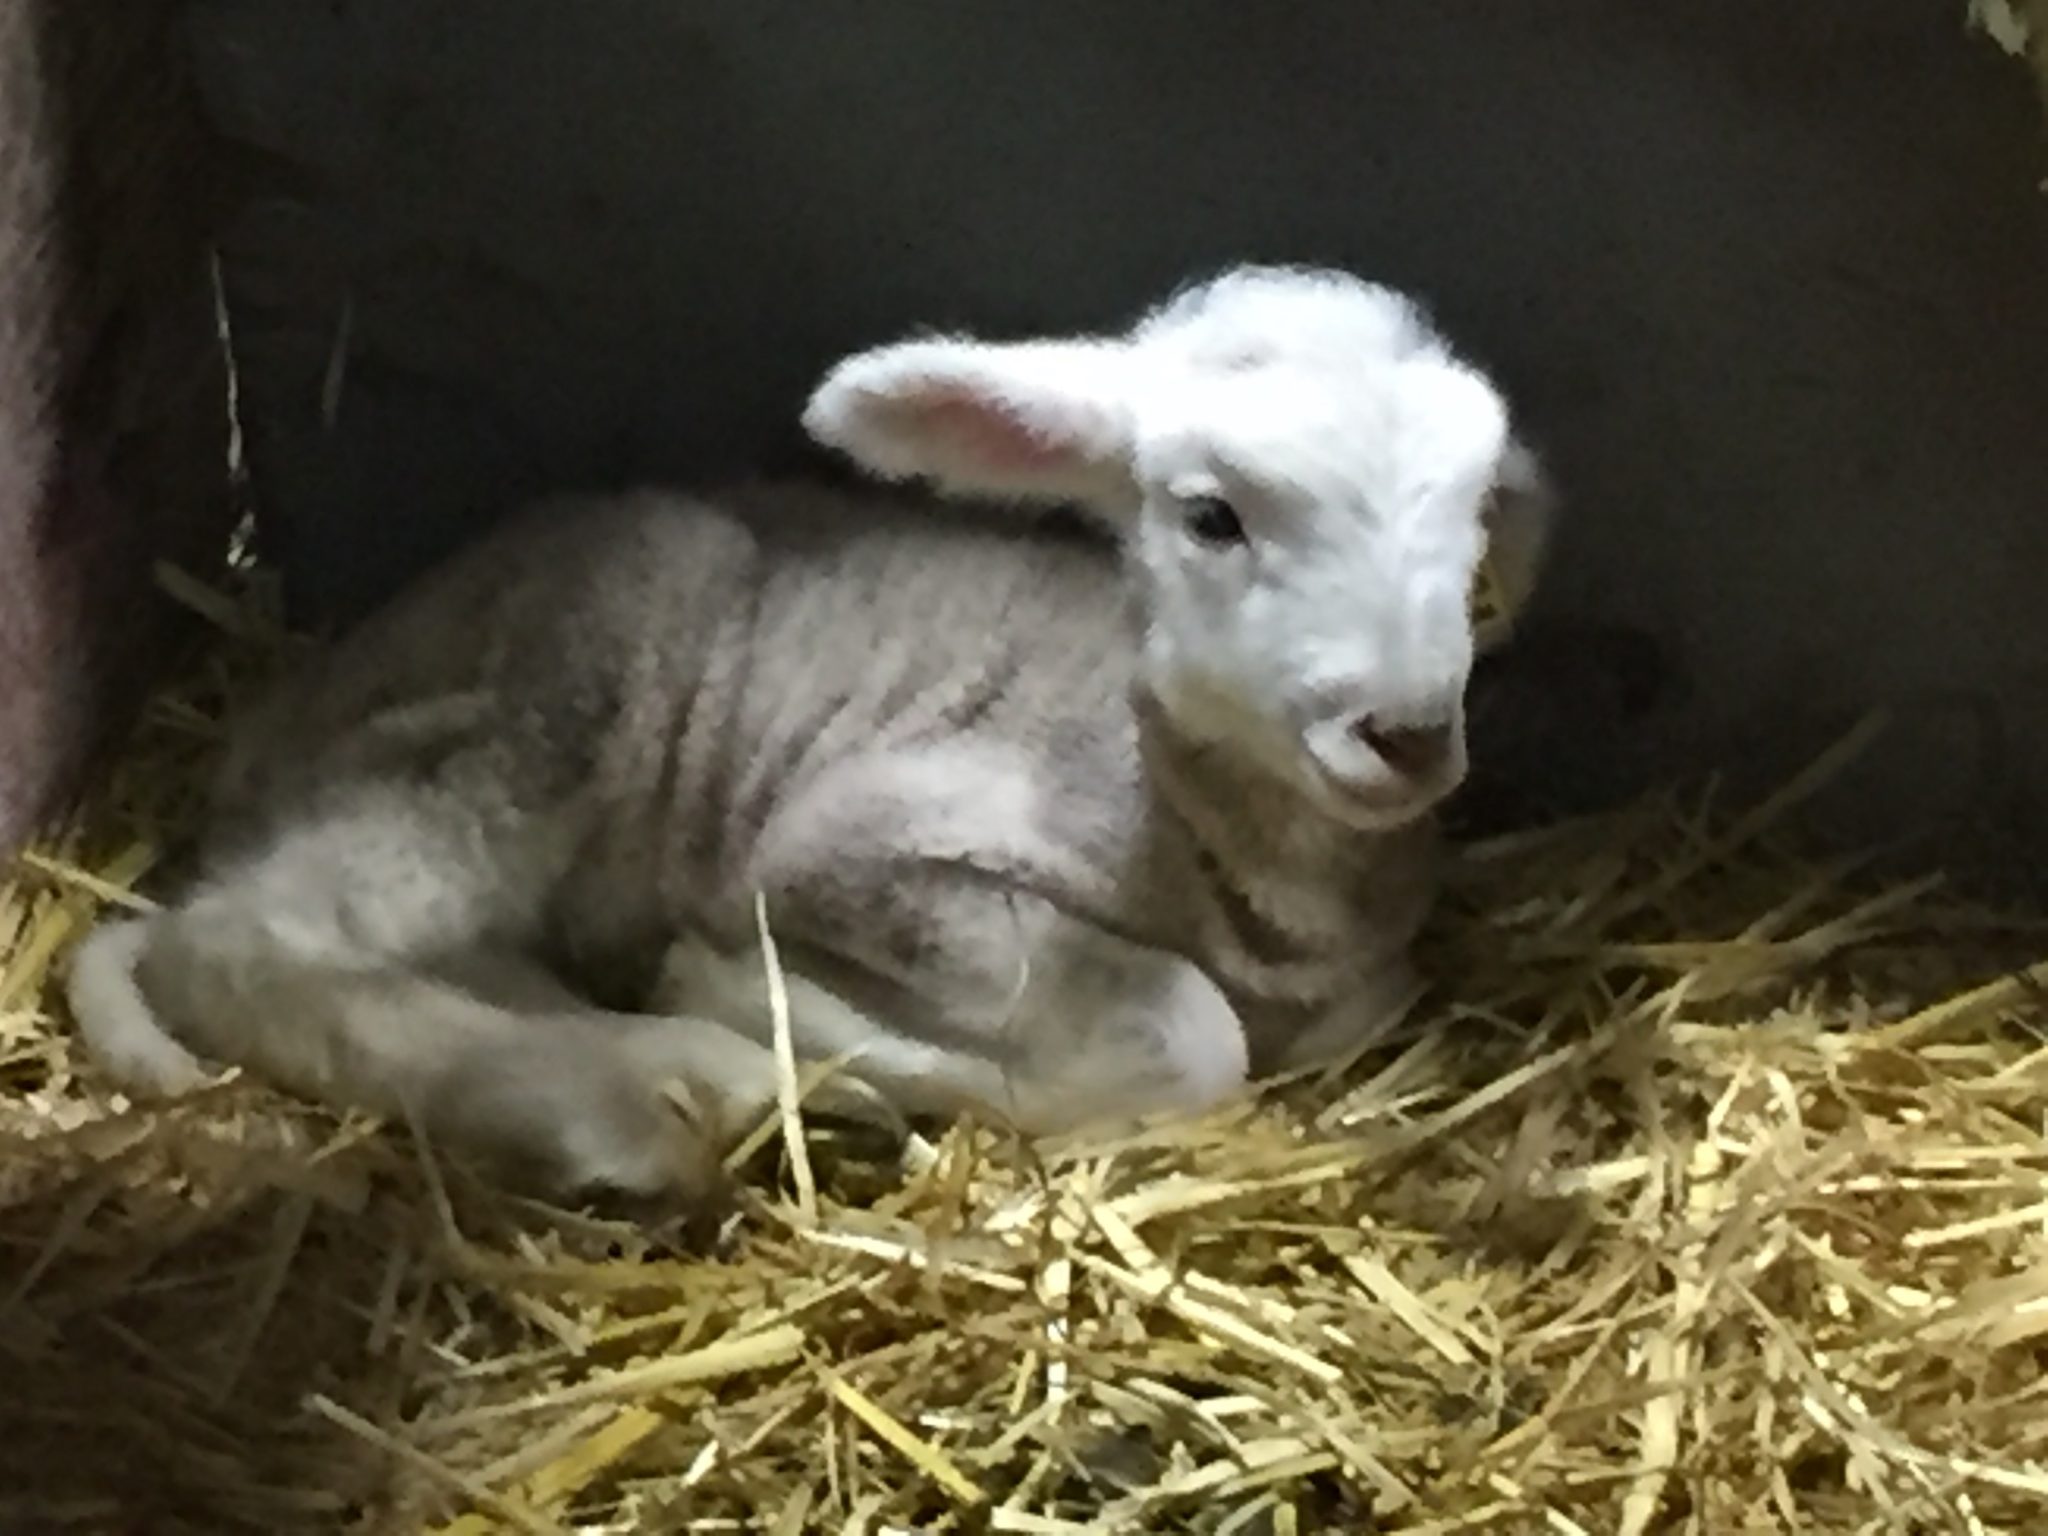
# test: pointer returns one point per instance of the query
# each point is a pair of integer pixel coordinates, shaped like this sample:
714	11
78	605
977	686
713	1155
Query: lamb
1054	823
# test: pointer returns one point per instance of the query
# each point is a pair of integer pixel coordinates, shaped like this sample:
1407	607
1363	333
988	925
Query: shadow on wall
1770	281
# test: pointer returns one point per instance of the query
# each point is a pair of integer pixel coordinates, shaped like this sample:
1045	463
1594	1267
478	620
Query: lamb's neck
1237	814
1288	911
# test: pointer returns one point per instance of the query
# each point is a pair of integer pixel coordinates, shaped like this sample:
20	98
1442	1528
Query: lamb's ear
1453	427
1039	421
1520	512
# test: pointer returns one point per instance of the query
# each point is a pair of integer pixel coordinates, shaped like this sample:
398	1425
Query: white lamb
1047	823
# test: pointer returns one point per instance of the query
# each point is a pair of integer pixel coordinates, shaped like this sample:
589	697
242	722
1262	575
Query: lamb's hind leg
325	966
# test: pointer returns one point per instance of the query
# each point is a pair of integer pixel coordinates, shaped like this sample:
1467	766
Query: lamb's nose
1413	751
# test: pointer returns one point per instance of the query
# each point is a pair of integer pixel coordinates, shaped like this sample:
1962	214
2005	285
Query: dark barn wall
112	427
1770	280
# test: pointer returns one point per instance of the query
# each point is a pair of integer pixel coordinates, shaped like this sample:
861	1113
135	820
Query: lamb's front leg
1360	1019
906	947
1066	1026
910	943
1106	1029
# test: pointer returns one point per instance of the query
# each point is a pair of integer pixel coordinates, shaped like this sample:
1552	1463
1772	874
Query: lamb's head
1305	479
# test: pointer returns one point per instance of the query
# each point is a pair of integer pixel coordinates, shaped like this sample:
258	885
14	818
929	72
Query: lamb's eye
1213	521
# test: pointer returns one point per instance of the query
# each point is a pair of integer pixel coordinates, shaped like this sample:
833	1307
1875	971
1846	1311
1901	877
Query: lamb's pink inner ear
989	435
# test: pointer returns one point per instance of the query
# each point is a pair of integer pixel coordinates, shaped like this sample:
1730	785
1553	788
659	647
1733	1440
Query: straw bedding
1710	1194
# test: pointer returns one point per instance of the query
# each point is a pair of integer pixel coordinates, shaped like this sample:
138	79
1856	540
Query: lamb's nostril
1411	751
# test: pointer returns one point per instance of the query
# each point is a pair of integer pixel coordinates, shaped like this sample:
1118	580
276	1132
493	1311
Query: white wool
1361	455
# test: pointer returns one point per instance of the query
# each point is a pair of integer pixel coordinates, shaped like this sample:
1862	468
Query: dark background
1769	280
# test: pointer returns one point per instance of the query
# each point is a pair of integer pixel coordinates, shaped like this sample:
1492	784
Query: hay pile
1712	1197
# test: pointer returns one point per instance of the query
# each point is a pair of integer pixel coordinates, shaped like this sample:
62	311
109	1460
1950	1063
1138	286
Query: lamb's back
585	645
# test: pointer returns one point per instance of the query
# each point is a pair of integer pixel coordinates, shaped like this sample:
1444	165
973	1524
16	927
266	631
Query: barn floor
1710	1196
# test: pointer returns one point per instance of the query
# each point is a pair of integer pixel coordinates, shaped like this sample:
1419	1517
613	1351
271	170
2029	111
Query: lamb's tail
121	1031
